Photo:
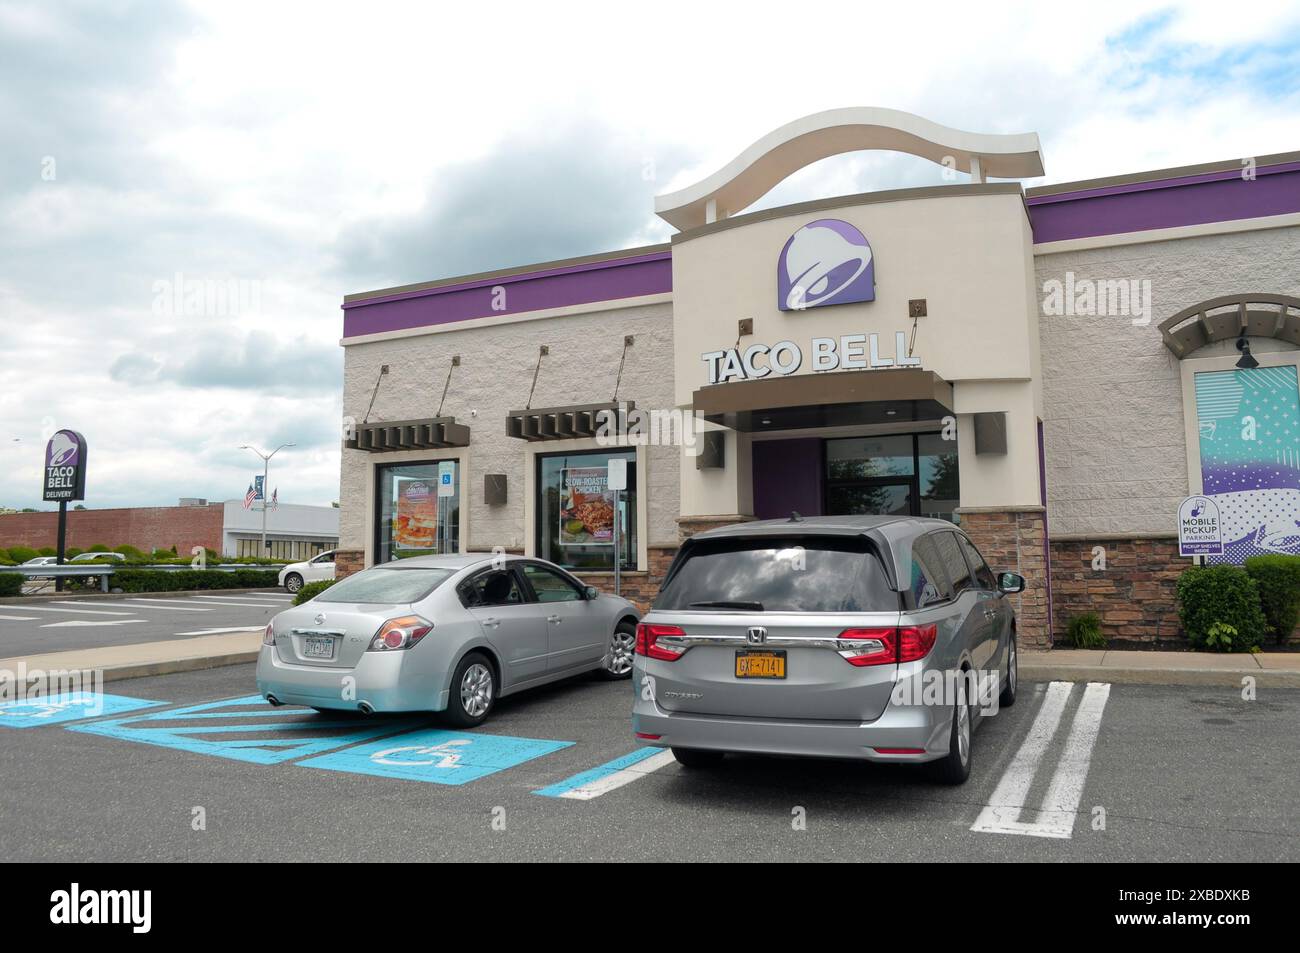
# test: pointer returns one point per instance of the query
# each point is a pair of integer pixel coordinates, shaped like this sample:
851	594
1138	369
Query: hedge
1223	594
162	580
311	590
11	584
1278	579
20	554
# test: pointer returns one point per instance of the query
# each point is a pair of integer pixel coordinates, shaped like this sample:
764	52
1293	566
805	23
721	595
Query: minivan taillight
648	635
888	644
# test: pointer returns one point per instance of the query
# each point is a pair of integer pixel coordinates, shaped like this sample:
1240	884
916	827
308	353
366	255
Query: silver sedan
443	633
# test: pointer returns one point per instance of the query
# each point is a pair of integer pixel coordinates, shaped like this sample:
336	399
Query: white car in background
294	575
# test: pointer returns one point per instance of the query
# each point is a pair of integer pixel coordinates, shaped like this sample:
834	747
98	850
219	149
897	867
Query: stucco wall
1112	398
494	377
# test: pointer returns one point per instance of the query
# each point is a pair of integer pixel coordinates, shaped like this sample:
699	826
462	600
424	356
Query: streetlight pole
266	482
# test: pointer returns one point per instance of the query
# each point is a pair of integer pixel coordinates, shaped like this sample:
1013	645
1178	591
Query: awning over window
1254	314
835	399
433	433
565	423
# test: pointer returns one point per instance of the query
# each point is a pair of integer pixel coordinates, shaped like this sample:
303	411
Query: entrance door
893	474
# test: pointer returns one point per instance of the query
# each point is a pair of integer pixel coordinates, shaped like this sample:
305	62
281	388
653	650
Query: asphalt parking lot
29	627
190	767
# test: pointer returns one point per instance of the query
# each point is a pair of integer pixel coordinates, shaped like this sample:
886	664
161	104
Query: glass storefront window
937	469
411	518
574	510
894	474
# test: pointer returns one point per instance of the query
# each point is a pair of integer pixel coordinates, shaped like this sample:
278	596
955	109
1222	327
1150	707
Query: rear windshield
779	575
387	584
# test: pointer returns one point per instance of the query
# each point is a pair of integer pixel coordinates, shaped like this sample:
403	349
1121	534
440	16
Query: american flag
249	497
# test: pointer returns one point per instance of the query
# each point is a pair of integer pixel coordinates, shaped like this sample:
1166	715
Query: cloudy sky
284	154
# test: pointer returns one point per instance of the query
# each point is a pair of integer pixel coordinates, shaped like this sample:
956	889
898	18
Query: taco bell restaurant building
1054	369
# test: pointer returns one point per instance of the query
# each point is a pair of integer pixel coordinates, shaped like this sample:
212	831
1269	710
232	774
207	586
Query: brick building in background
293	531
146	528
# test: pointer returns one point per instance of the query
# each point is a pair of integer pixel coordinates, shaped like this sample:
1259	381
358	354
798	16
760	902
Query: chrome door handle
553	618
491	622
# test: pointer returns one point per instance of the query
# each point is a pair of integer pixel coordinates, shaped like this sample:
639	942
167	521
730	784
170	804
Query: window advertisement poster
586	507
415	526
1249	435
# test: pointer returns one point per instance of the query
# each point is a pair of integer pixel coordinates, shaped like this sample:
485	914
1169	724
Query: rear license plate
770	664
322	648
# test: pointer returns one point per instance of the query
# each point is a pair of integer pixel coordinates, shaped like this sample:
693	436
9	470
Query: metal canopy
1253	314
836	399
432	433
564	423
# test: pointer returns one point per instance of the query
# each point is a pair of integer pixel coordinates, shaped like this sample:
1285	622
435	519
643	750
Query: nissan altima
448	633
866	637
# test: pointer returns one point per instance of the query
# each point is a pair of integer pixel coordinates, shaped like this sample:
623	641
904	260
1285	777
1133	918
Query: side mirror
591	592
1011	582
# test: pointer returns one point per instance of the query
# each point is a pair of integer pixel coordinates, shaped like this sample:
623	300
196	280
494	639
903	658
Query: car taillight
400	633
648	635
915	641
268	637
888	644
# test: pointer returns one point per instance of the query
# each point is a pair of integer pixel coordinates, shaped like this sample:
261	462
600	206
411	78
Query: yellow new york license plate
760	664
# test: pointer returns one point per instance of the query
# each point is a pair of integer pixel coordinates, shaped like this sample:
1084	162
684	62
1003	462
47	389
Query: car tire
617	663
1008	696
954	767
292	583
473	691
697	757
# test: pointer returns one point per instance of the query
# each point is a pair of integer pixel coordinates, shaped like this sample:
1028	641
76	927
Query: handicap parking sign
66	706
246	729
437	756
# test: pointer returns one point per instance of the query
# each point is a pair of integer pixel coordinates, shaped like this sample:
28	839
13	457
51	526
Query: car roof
446	560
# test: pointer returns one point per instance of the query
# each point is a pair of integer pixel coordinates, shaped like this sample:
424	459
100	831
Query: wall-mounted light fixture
1247	361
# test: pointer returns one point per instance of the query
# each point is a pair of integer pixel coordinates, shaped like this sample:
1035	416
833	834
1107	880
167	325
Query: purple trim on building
568	286
1166	203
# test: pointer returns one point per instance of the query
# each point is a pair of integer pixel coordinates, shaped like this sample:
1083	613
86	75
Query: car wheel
473	691
697	757
954	767
292	582
617	663
1008	696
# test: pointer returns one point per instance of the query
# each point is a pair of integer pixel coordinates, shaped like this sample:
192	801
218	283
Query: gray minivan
868	637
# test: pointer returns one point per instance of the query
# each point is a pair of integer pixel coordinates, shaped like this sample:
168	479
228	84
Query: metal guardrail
103	570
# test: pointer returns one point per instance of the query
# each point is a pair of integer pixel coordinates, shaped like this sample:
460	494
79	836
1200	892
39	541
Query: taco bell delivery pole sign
65	467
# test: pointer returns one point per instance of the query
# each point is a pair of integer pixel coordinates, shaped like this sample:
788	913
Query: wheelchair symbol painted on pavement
442	755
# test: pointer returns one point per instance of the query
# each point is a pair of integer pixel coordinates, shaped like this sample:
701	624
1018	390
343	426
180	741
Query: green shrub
11	584
1085	631
1278	579
98	548
311	590
70	552
5	560
48	551
1225	595
20	554
164	580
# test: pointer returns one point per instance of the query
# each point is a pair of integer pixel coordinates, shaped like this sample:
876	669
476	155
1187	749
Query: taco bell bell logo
825	262
61	451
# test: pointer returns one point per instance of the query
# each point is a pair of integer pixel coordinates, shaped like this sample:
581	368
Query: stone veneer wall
1012	540
1135	595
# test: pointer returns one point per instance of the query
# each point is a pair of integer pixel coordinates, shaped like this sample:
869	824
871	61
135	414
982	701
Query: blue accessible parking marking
67	706
245	729
441	757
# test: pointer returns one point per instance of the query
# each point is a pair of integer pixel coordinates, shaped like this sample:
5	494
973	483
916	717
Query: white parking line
252	628
1056	818
610	776
72	611
18	618
217	603
77	623
158	604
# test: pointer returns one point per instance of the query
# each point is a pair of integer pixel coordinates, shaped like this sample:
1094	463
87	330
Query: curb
194	663
1264	678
